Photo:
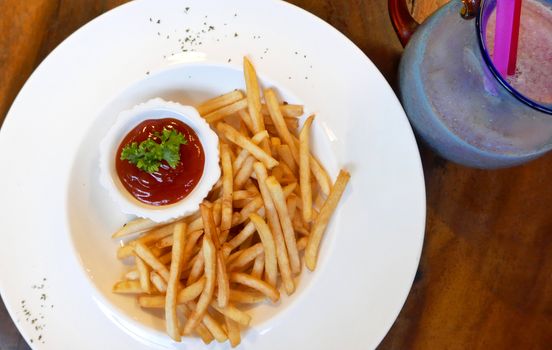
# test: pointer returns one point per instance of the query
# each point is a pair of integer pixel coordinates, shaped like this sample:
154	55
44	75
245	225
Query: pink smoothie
533	76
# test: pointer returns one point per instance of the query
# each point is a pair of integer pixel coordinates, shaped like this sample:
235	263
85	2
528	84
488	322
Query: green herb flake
148	155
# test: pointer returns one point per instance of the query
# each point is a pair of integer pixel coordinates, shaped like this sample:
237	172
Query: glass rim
489	62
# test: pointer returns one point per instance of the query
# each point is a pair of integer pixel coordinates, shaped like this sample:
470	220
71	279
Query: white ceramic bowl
158	108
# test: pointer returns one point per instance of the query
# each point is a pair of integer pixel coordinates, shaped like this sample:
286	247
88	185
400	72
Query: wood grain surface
485	276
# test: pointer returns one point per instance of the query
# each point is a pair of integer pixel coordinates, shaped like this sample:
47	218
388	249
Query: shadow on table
9	336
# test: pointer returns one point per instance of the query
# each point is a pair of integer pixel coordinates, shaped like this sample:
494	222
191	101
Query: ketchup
167	185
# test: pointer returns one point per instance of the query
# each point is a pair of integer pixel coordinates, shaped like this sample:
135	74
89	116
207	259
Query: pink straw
508	13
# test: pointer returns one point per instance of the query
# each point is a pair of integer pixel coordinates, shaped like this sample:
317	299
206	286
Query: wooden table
485	277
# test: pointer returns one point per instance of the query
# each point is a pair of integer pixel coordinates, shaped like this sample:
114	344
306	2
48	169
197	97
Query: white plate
57	261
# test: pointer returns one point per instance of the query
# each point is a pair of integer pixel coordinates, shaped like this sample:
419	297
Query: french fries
256	283
233	331
279	122
319	226
222	101
227	187
135	226
287	228
144	273
281	251
174	279
235	137
226	111
185	295
210	258
304	170
269	208
270	265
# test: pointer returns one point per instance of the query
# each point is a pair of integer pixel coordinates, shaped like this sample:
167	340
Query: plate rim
9	120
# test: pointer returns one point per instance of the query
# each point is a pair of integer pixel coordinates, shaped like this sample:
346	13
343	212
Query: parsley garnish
147	155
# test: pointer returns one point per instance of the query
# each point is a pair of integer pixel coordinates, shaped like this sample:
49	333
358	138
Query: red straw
508	14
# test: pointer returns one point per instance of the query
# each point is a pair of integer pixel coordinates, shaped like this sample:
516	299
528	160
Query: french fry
125	251
147	238
143	271
248	243
318	172
164	242
149	258
319	225
288	189
158	282
157	252
191	241
233	331
271	265
279	123
223	235
221	275
210	323
233	313
214	327
244	173
234	256
285	155
275	142
258	266
201	330
253	95
209	226
132	275
288	174
274	223
135	226
237	219
238	239
173	282
225	111
257	284
254	102
155	234
127	287
244	154
243	194
210	257
185	295
246	119
287	228
244	256
291	124
287	110
319	202
243	130
241	297
197	269
219	102
227	187
222	282
291	203
250	208
305	171
195	225
235	137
